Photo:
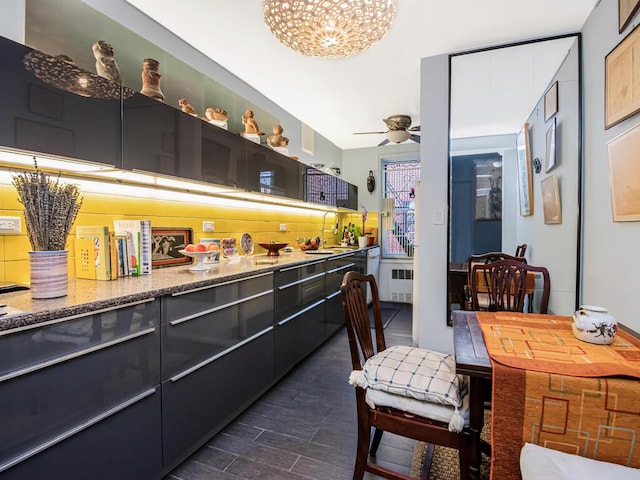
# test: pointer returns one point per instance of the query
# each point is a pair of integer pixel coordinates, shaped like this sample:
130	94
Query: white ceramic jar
594	325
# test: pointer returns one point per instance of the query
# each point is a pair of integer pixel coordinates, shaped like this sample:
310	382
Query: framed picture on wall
626	11
551	201
550	157
551	101
622	80
525	182
166	244
624	175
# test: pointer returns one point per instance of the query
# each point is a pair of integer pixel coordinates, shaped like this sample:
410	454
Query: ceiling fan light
398	136
329	28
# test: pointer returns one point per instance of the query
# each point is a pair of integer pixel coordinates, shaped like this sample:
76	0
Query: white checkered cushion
414	372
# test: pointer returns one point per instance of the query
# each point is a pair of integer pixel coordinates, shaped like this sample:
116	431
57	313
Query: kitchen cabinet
299	307
346	195
336	268
224	157
272	173
81	396
217	347
45	109
326	189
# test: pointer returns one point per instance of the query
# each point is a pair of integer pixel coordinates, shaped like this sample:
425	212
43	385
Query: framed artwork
551	101
626	11
525	182
166	244
622	80
551	201
488	189
624	175
550	157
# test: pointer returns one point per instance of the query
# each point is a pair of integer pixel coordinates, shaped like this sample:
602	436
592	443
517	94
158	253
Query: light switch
208	226
438	216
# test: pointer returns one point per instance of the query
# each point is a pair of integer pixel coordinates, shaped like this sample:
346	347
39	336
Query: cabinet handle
71	356
220	307
183	374
77	429
303	266
334	270
334	294
298	282
297	314
177	294
79	315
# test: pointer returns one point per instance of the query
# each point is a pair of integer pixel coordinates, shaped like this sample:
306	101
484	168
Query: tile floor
305	426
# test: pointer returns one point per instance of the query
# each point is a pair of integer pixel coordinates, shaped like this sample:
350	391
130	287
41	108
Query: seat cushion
425	375
540	463
434	411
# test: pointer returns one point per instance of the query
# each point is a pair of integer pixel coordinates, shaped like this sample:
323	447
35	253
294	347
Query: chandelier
329	28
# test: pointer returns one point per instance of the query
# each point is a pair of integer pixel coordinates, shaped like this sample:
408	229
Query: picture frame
551	101
626	11
525	181
488	190
551	200
624	175
166	243
622	80
550	155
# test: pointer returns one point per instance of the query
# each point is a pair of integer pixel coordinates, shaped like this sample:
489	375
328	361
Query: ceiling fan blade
384	142
415	138
392	124
414	129
368	133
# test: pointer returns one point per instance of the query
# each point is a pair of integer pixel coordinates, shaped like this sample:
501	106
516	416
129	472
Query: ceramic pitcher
594	325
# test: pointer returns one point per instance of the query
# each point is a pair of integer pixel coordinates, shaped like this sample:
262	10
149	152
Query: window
399	181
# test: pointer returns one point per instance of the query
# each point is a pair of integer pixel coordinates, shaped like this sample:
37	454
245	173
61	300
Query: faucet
324	218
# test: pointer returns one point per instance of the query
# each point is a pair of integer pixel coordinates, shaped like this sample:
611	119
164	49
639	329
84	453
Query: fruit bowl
199	256
272	248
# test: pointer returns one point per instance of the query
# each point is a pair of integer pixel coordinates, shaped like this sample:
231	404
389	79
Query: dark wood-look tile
305	426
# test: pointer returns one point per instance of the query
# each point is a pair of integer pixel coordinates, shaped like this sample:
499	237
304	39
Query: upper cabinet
326	189
51	107
272	173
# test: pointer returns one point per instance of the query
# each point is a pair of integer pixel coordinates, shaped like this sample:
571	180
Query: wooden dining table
552	364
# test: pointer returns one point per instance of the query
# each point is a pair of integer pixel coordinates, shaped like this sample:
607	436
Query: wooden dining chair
520	250
504	282
407	391
481	259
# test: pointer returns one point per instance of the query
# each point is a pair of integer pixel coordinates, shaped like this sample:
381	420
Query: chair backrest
520	250
488	258
505	283
356	312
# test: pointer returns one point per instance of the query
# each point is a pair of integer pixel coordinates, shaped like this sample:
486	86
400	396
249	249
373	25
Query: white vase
49	274
362	241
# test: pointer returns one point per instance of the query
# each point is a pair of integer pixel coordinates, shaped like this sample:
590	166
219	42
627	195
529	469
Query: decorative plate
246	244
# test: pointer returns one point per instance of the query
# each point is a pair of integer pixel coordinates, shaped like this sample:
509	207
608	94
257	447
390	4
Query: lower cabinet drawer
45	401
298	335
126	445
199	403
334	314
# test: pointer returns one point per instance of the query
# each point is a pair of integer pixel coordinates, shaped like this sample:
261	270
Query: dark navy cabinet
52	107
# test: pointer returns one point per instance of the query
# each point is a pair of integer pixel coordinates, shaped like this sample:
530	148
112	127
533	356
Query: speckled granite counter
86	296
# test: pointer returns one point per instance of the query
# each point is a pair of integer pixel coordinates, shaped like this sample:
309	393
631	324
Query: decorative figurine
106	66
151	79
277	139
250	125
186	108
216	114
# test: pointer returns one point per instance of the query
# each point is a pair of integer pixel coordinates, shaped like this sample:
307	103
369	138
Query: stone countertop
86	296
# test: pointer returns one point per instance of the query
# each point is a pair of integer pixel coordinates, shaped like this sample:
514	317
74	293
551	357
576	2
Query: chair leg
377	436
364	437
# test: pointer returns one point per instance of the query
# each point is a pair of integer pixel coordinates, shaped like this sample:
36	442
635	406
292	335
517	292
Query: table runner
587	410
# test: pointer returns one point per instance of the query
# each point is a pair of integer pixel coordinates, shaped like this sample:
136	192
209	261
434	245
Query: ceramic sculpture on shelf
187	108
277	139
216	114
106	65
151	79
250	124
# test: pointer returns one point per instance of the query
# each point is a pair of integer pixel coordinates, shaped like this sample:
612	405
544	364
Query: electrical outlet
208	226
283	227
10	225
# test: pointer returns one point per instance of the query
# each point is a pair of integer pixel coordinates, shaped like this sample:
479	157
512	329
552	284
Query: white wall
610	254
12	19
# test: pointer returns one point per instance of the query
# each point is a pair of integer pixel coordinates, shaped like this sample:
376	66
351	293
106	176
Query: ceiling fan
399	130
